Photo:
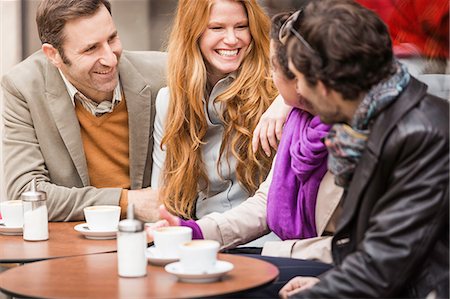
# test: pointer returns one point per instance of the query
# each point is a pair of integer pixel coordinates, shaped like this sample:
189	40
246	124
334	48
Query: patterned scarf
346	143
300	165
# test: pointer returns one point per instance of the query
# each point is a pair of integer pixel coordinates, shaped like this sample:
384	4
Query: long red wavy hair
245	101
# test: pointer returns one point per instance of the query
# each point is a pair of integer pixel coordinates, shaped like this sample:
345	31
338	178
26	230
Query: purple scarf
300	165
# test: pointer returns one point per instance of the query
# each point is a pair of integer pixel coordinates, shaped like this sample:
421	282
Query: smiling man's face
92	49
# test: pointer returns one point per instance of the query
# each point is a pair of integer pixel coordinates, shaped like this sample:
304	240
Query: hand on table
297	284
269	129
145	204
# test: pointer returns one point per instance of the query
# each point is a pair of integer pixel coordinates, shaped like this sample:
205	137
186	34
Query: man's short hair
52	15
348	46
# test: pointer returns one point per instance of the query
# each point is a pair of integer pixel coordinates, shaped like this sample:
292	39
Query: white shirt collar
72	89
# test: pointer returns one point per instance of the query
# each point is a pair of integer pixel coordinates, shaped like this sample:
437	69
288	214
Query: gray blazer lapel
140	119
66	120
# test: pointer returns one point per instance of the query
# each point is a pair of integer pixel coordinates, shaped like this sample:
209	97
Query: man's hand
296	285
145	204
270	127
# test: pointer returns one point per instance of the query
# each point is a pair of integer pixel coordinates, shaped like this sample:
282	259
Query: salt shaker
35	215
131	246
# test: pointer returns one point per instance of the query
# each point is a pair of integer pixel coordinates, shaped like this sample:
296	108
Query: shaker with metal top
131	246
35	215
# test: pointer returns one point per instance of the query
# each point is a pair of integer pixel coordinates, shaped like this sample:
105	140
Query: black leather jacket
393	237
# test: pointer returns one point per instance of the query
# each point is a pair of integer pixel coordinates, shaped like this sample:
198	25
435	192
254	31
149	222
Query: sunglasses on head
288	28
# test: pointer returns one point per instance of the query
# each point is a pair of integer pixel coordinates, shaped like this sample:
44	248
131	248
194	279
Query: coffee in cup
198	256
102	218
168	239
12	213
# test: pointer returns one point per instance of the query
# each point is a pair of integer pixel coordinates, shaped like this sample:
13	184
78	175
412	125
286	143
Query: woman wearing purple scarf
300	206
300	166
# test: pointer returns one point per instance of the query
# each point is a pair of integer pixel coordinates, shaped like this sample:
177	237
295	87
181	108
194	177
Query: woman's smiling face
226	39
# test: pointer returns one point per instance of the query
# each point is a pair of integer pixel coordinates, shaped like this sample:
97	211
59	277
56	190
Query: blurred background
142	24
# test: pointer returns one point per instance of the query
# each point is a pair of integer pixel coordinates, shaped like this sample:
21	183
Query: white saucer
10	231
95	235
220	269
152	257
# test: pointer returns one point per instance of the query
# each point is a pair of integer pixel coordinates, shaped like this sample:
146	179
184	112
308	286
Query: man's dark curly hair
351	47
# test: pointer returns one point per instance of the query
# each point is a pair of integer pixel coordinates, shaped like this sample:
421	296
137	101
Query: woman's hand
269	129
167	219
296	285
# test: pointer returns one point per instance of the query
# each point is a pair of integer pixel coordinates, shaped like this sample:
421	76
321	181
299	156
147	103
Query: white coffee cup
102	218
198	256
12	213
168	239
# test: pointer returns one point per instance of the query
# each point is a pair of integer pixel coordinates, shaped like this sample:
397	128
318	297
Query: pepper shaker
131	246
35	214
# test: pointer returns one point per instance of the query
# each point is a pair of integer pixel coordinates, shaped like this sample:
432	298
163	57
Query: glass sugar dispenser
35	214
131	246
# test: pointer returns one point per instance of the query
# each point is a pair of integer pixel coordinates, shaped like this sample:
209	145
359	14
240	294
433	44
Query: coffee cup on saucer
12	213
198	256
102	218
168	239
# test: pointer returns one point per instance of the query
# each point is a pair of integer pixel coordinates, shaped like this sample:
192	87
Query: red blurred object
417	27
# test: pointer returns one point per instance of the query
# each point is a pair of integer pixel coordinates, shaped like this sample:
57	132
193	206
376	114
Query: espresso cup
198	256
168	239
102	218
12	213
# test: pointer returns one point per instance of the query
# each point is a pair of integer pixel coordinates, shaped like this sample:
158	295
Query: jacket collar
386	122
138	96
60	104
381	129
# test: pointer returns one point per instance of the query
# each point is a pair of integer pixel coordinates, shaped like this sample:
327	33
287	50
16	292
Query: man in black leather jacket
389	149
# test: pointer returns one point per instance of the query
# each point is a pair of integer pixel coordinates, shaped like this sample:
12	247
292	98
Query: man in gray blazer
79	114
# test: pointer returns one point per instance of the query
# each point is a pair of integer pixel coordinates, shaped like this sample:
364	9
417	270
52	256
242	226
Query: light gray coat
42	135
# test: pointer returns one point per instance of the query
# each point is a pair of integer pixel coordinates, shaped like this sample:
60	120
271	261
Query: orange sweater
106	146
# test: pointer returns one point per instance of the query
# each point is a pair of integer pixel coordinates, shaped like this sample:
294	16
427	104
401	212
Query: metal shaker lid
130	224
33	194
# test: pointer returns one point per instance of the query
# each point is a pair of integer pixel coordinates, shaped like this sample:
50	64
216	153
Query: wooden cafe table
95	276
64	241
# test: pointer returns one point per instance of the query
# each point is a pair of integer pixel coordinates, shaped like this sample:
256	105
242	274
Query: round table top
64	241
95	276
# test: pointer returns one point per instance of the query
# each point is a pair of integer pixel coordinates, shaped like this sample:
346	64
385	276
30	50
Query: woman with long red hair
218	87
